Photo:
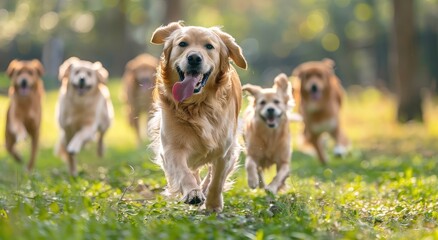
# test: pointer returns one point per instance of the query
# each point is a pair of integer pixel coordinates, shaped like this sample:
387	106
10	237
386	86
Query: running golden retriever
267	134
84	107
139	81
24	112
198	99
321	96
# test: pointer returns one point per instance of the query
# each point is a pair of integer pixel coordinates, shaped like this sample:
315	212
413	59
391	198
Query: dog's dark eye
262	102
276	101
209	46
183	44
89	73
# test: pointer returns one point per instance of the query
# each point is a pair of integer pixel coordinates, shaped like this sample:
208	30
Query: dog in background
266	132
24	112
198	99
321	96
139	81
84	107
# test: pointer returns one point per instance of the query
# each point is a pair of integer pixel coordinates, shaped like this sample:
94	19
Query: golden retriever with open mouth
198	99
321	96
267	134
139	81
84	107
24	112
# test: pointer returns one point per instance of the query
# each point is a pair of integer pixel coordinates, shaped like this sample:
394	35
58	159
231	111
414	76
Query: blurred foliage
276	35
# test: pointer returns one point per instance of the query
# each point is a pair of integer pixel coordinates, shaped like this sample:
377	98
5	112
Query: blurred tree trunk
404	56
173	11
53	53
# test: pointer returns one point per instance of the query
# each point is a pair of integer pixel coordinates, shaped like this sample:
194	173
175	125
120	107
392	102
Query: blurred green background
276	36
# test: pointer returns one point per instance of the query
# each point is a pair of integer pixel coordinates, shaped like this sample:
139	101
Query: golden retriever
198	99
139	81
84	107
267	134
24	112
321	96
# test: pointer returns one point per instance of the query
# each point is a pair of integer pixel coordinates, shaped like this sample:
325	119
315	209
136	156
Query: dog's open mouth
23	88
271	120
191	82
82	88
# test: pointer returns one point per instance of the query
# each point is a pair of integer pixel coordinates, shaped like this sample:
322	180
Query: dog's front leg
180	177
278	181
252	172
86	133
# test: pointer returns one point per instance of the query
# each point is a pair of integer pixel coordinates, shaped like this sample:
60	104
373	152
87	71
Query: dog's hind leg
33	155
100	145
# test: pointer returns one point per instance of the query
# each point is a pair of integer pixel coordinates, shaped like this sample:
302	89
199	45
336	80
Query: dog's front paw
253	182
73	147
194	197
340	151
271	189
214	205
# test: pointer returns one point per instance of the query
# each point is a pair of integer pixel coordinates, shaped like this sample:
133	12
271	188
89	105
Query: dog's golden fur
200	129
139	81
267	134
24	112
84	107
321	96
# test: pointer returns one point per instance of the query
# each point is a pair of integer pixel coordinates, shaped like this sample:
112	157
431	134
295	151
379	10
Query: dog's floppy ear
64	69
329	62
252	89
235	52
38	67
162	33
12	67
101	72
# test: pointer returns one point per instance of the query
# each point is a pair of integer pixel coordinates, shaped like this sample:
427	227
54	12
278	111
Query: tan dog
321	99
84	107
198	96
139	81
267	133
24	112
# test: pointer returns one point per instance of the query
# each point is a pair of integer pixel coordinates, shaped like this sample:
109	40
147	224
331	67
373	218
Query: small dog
266	132
84	107
321	95
139	81
198	99
24	112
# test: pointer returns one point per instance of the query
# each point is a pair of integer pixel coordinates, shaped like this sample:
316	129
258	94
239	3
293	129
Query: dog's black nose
23	83
270	111
194	59
314	88
81	82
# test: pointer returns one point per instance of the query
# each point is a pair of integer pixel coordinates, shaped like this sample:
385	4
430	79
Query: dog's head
25	75
194	57
142	70
82	75
271	104
315	79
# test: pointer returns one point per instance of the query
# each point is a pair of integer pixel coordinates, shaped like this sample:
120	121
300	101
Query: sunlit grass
385	189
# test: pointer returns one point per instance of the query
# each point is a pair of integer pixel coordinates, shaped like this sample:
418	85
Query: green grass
387	188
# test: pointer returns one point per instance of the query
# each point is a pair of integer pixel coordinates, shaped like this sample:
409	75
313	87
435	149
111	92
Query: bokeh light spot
83	23
363	12
49	21
330	42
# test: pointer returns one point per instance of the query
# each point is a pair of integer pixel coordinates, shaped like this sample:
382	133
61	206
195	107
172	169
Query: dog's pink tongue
184	89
